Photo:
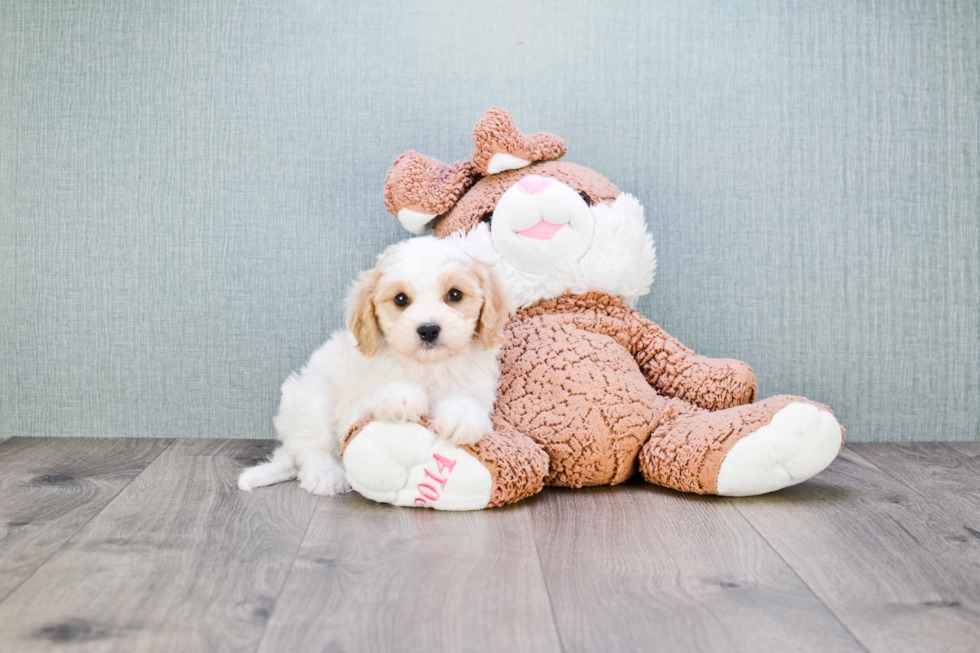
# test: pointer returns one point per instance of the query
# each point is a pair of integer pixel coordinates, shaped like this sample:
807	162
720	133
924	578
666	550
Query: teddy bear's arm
676	371
671	368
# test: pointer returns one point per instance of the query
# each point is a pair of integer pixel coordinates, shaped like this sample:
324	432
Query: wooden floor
146	545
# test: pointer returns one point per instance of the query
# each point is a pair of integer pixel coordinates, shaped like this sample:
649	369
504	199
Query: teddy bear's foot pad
405	464
799	441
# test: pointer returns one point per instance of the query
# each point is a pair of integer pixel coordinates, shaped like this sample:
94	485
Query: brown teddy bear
591	391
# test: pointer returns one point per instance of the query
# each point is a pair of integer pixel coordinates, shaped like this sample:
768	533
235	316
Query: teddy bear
591	391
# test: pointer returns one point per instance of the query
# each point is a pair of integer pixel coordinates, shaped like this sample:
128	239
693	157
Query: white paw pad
460	424
799	441
323	480
405	464
401	402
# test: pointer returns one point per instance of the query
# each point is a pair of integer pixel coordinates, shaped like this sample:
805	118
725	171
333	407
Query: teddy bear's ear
418	189
500	146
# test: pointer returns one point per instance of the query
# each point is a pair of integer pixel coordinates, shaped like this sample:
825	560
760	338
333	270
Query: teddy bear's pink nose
533	184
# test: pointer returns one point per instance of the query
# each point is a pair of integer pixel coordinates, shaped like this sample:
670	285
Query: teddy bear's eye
401	300
585	198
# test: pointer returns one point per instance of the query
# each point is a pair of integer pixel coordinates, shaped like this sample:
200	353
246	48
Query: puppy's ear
496	307
361	319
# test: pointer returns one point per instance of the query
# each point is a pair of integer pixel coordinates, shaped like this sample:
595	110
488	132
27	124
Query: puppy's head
427	300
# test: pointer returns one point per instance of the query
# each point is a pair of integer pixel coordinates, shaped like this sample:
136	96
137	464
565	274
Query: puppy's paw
460	422
401	402
323	479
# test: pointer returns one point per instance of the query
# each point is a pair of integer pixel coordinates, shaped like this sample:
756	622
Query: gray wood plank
51	487
894	568
939	471
946	476
371	577
179	561
971	450
639	567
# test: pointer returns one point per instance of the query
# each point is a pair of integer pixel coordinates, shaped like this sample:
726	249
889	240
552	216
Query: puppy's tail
280	468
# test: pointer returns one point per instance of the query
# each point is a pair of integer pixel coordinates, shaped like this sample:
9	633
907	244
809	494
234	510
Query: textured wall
186	187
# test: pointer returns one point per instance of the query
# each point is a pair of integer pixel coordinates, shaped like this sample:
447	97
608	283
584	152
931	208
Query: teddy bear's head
553	224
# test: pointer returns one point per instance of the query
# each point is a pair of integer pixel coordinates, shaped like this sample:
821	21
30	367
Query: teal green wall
187	186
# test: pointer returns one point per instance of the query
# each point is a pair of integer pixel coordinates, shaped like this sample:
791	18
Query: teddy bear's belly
578	394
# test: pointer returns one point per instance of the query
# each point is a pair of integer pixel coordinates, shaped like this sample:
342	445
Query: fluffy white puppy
423	331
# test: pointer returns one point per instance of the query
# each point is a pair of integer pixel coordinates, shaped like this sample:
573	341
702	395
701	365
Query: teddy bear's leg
741	451
406	464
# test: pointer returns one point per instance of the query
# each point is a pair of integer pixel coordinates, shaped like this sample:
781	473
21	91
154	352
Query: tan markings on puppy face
468	298
392	297
429	319
427	301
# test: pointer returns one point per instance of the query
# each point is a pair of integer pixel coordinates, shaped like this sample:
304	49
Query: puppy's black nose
429	332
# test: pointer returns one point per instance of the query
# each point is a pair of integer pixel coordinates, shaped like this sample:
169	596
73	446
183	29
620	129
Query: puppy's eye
488	218
401	299
585	198
454	295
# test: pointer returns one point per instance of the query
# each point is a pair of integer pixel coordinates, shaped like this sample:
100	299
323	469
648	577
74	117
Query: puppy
423	331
